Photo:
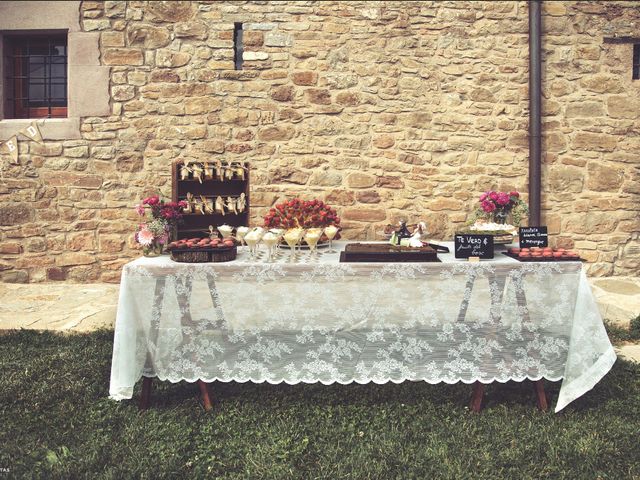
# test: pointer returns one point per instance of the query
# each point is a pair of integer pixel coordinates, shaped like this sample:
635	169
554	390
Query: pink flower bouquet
161	217
497	206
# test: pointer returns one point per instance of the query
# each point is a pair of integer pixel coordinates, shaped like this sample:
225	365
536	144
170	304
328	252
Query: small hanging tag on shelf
474	259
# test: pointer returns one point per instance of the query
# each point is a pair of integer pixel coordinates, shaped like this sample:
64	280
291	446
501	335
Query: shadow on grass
53	391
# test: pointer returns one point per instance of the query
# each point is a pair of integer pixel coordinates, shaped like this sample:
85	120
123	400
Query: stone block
112	39
339	197
114	9
15	213
213	146
325	178
584	109
46	149
563	179
599	142
496	158
340	81
445	203
80	241
623	106
147	36
103	153
56	274
15	276
481	94
364	214
13	248
284	93
349	99
122	93
276	133
195	30
318	96
384	141
172	12
604	178
304	78
169	58
111	243
130	162
602	83
278	39
368	196
361	180
253	39
390	182
95	25
168	76
122	56
198	105
252	56
289	175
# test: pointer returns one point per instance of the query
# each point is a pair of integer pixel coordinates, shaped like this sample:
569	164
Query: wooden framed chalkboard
533	237
470	245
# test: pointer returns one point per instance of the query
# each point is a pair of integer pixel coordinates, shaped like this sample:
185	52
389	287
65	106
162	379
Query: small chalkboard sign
533	237
469	245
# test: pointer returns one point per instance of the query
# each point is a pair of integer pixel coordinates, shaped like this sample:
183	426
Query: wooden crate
197	224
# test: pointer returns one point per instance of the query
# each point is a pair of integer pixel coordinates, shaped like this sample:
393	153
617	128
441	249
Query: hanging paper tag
32	132
11	147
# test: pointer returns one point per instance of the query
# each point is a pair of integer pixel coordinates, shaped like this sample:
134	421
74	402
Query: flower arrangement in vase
161	217
497	207
298	213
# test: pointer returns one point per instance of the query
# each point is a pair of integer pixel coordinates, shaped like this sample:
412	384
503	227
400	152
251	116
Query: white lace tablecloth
325	321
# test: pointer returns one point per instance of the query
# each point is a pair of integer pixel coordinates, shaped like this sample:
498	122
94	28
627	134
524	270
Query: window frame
17	107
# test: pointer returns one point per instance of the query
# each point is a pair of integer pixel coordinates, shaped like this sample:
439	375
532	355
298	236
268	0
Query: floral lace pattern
333	322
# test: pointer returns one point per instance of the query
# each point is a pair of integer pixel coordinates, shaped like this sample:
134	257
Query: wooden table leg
145	395
206	398
541	395
476	398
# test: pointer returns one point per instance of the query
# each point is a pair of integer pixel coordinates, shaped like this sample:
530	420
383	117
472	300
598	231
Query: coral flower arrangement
161	217
297	213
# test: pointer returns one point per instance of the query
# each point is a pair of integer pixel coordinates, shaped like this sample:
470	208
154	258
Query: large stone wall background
386	110
591	170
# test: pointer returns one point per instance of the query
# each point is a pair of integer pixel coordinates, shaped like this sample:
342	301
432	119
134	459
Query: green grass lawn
57	422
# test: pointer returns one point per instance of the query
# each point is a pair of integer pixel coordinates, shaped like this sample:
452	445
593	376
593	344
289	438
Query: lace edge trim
116	394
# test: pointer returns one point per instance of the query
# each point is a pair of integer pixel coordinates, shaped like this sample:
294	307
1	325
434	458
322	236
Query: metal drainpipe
535	110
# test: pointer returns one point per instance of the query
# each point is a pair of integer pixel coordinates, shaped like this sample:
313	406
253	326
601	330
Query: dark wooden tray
383	252
543	259
204	254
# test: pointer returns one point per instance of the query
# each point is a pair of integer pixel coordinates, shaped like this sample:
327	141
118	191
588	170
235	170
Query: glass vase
154	250
500	217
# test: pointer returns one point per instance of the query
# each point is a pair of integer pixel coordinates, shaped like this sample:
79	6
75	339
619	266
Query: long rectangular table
325	321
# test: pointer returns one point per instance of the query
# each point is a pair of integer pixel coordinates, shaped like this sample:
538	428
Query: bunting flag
11	147
32	132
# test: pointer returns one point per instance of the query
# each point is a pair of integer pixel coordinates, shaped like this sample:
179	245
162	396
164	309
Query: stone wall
385	110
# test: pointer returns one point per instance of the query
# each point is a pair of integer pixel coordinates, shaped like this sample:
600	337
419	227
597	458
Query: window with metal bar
635	75
36	76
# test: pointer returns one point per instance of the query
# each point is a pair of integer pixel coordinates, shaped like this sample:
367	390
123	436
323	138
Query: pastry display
539	254
203	249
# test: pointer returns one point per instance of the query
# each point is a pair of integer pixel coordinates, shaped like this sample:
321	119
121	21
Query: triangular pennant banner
32	132
11	147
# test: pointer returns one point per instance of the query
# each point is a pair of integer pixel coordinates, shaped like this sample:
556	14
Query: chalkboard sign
469	245
533	237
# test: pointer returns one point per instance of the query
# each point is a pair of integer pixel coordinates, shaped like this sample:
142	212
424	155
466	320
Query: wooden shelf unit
197	224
